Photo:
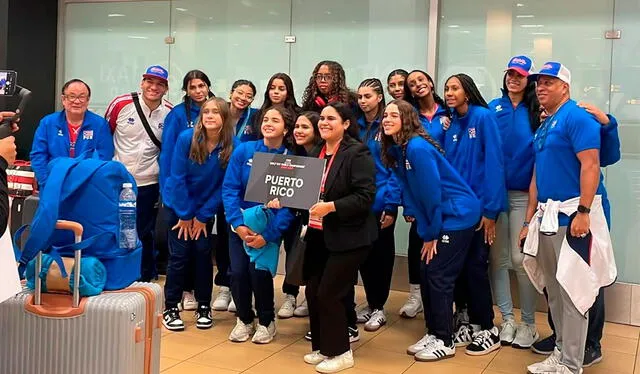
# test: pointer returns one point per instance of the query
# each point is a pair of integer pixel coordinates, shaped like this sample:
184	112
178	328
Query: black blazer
351	185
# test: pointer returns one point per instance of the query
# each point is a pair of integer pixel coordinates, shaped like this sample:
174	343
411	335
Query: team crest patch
455	138
472	133
498	108
407	165
250	162
554	123
60	133
445	239
87	135
131	120
161	125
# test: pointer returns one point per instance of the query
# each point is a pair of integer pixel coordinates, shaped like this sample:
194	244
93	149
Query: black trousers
289	238
331	277
472	287
413	254
222	277
377	269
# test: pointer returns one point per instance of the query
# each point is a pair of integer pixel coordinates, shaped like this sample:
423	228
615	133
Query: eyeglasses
72	98
324	77
246	96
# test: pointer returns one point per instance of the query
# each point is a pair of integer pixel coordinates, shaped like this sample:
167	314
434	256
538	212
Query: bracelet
525	224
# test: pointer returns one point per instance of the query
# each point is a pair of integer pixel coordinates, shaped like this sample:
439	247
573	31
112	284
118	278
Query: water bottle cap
127	185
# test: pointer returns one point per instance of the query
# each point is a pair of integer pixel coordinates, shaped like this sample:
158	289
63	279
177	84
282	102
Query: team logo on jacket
407	165
498	108
554	123
161	125
60	133
131	120
472	133
250	162
87	135
445	239
455	138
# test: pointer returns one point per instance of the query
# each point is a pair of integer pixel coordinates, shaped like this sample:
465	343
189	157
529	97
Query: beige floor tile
618	344
510	360
625	331
181	347
597	369
166	363
617	362
191	368
380	361
282	363
395	339
232	356
441	367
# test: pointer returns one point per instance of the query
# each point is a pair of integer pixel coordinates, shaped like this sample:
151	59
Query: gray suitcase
112	333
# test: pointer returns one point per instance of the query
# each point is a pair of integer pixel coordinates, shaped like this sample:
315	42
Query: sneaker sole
409	316
301	315
463	344
284	316
520	346
239	340
191	308
435	359
220	308
307	338
265	342
540	352
352	340
597	360
375	328
345	367
505	343
204	327
495	347
173	328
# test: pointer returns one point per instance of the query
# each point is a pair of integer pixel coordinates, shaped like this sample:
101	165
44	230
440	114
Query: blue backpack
85	191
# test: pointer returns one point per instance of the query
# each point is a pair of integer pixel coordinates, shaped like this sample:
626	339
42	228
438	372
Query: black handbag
295	259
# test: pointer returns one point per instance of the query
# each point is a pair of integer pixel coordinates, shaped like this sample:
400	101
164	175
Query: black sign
294	180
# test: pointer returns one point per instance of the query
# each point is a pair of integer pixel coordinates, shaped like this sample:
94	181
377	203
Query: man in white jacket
566	180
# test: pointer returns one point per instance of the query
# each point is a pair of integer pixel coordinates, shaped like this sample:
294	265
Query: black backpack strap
145	123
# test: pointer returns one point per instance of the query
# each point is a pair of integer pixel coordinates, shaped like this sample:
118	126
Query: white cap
127	185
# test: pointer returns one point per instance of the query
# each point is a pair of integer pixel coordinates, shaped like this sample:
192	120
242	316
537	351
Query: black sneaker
308	335
203	317
354	335
463	336
591	356
545	346
171	319
484	342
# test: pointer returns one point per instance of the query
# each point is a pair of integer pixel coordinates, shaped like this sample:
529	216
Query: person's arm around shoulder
363	184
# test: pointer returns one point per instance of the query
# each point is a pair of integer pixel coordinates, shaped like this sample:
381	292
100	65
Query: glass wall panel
109	45
623	178
229	40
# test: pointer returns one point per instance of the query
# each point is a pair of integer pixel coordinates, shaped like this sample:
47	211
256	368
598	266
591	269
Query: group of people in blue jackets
459	170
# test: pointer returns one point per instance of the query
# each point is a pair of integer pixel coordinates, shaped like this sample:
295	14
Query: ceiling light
137	37
519	5
181	9
540	33
532	26
525	16
454	26
115	15
149	22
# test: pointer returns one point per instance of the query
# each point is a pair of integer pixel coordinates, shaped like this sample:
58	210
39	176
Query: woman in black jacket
339	237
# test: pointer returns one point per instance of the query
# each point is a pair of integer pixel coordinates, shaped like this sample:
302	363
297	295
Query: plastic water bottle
128	235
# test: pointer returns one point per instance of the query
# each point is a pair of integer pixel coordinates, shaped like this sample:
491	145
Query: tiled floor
208	351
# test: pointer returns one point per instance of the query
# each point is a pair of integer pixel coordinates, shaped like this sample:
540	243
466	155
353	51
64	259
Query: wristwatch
583	209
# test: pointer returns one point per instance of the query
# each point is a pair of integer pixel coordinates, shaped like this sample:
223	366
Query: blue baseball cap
553	69
521	64
158	72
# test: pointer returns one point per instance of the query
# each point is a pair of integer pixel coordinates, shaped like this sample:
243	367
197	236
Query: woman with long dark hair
327	85
446	212
197	89
279	92
193	196
517	113
395	83
473	147
377	269
247	277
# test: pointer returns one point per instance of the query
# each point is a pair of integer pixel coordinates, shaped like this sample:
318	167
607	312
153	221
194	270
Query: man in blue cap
136	121
566	183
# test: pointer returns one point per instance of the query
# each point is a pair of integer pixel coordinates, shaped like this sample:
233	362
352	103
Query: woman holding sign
341	231
446	211
192	196
246	278
377	270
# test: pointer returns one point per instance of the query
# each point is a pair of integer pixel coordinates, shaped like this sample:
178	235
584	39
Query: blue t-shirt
557	142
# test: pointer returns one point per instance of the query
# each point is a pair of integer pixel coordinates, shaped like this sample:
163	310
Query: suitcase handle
77	230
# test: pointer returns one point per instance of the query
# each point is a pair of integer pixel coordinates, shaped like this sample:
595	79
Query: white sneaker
420	344
336	364
464	336
435	351
242	332
221	303
363	314
377	320
548	365
264	335
526	335
314	358
189	301
413	305
507	332
302	310
288	307
232	306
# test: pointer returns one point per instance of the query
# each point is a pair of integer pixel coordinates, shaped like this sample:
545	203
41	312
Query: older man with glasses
71	132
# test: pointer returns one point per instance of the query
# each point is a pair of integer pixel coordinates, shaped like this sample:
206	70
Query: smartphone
8	81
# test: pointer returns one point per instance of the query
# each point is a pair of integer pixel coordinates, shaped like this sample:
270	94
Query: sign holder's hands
429	250
386	220
274	204
184	228
243	232
489	226
322	208
197	229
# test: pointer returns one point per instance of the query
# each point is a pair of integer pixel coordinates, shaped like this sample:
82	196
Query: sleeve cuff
490	214
391	210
